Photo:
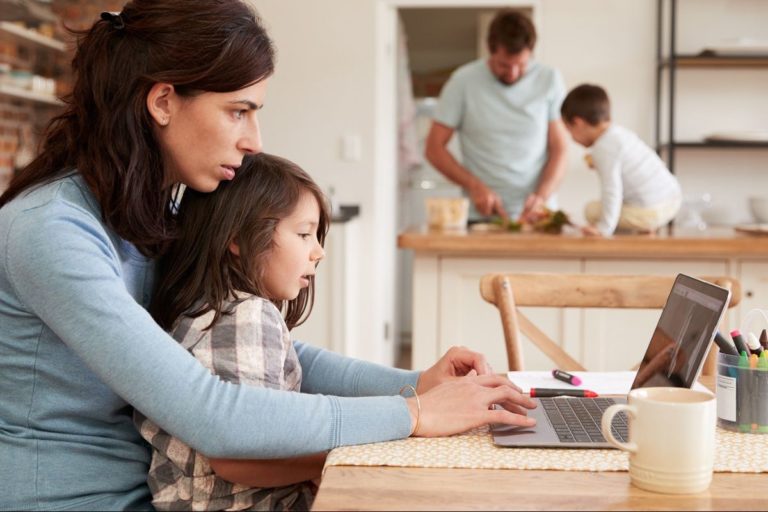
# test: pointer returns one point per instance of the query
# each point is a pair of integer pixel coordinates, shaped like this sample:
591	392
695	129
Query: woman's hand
457	362
462	404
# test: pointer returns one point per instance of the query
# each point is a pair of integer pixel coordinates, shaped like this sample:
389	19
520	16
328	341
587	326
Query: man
506	111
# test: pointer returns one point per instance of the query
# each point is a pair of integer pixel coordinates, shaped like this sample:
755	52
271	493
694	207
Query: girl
256	241
165	92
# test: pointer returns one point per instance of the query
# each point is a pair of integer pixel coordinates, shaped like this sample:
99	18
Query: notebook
674	357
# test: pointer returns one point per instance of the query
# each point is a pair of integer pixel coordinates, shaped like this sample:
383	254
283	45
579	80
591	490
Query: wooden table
397	488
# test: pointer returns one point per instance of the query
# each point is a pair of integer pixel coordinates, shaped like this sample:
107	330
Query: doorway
419	44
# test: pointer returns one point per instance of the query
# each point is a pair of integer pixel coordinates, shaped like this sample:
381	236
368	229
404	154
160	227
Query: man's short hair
512	30
589	102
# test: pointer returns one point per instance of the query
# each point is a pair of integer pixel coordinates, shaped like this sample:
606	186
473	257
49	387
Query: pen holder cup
742	396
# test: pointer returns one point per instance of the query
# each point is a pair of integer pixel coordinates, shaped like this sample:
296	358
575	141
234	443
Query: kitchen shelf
670	62
717	144
24	34
718	61
23	94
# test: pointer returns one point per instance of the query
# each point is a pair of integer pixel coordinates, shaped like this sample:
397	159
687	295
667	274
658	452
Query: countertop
712	243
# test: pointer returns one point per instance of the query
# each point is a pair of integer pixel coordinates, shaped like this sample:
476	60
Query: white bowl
759	208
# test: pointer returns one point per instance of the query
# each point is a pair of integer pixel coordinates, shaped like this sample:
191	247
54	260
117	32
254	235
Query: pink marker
566	377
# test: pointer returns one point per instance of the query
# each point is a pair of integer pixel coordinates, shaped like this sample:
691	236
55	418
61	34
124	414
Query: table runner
735	453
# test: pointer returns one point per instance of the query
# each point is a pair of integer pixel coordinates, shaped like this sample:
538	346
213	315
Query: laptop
674	357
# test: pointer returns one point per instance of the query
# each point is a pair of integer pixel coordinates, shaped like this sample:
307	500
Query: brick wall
23	122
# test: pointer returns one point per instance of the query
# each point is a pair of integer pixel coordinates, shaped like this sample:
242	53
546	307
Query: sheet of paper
602	383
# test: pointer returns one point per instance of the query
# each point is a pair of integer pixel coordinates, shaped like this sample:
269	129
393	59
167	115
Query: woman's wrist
413	411
414	407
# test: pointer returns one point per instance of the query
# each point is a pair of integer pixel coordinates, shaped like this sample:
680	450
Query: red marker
548	393
566	377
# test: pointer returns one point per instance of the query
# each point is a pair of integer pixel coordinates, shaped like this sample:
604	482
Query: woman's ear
234	248
159	102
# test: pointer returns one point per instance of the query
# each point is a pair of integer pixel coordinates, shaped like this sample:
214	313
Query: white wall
327	85
323	90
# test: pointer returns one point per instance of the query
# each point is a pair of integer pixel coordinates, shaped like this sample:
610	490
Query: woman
166	92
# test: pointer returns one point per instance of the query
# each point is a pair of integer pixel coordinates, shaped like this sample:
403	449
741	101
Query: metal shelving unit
673	61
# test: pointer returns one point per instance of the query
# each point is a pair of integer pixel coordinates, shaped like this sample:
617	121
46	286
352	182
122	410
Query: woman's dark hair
106	131
199	273
587	101
512	30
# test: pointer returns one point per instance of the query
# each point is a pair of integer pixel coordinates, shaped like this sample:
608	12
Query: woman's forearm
269	472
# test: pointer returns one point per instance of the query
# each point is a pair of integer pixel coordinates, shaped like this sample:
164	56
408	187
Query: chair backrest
508	291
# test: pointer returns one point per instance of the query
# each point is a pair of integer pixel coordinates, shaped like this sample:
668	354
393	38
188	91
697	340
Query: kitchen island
448	310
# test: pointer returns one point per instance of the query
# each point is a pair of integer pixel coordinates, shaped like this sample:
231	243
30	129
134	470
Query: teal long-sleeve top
78	351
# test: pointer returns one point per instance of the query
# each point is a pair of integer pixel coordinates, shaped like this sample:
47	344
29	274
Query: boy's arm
611	196
269	472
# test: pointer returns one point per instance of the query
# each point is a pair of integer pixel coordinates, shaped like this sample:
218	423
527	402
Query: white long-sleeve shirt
631	174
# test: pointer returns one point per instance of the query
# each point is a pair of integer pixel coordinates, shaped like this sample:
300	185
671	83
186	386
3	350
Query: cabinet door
616	339
754	294
466	319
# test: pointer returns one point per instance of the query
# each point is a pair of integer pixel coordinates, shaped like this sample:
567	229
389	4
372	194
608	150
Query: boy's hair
105	130
513	30
589	102
199	273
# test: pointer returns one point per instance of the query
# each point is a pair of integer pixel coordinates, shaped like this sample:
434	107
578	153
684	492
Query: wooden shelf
717	145
23	94
718	61
31	36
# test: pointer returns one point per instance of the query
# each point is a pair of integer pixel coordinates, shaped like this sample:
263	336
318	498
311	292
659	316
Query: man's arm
554	169
485	200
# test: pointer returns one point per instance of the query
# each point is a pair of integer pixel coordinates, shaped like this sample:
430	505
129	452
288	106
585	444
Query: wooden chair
508	291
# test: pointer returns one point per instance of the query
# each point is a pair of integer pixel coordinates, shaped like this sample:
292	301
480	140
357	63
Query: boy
638	193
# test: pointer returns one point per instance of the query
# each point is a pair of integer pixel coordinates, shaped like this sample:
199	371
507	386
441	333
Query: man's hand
534	205
486	201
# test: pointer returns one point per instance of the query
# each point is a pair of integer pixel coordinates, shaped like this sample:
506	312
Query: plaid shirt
249	346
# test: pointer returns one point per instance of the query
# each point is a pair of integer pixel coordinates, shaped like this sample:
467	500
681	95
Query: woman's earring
164	122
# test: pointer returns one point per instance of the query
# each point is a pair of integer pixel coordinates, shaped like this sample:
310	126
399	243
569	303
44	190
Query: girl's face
296	251
204	138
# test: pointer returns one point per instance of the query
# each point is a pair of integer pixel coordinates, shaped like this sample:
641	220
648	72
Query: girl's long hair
106	131
199	273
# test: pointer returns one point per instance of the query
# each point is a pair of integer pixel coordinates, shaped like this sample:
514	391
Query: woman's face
203	138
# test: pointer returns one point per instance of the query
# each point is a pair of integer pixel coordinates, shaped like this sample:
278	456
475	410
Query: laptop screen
683	335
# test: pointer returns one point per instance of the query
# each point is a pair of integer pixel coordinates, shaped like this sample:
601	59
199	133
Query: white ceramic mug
671	438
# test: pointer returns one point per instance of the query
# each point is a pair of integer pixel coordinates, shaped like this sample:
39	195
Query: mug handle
605	426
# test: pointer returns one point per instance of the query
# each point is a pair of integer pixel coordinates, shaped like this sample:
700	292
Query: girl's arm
65	269
271	472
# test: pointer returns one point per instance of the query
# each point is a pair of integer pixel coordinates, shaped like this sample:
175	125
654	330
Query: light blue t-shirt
78	351
502	128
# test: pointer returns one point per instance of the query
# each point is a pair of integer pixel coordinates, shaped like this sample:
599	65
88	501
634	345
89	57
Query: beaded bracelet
418	405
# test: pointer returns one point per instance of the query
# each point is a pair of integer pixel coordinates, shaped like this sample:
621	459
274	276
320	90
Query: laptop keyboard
577	420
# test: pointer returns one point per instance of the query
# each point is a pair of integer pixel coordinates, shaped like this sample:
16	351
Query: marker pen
764	339
738	340
754	344
549	393
762	393
743	394
726	347
566	377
